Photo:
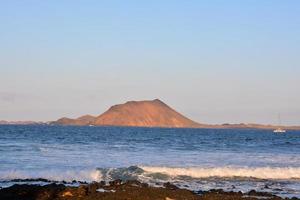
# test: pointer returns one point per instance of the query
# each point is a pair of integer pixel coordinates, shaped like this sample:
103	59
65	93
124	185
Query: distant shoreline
227	126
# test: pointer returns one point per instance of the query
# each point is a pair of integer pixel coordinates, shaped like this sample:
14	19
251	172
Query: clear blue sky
215	61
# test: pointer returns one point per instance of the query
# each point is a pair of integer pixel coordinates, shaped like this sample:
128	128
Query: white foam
68	175
197	172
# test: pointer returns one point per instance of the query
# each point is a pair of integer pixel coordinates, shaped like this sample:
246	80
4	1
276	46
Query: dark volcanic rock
170	186
117	190
115	182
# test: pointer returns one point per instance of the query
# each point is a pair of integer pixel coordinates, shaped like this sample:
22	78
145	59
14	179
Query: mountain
154	113
144	113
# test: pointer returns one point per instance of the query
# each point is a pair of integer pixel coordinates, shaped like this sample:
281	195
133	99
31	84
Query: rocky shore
118	190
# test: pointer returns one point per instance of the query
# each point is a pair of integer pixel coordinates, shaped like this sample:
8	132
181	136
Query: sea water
196	159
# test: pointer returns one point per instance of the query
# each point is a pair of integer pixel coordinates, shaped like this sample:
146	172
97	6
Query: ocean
196	159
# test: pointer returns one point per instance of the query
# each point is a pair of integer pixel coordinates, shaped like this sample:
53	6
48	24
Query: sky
215	61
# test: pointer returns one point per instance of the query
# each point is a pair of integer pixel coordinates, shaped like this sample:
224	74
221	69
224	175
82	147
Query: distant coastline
149	113
4	122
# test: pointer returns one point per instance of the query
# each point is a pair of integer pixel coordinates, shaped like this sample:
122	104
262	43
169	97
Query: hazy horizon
215	62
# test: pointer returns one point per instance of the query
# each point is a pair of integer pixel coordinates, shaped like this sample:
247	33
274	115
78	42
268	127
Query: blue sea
196	159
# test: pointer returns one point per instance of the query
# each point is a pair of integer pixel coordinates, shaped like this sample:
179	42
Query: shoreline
117	189
241	126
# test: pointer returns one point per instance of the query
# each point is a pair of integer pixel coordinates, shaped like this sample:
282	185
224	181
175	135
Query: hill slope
81	121
144	113
153	113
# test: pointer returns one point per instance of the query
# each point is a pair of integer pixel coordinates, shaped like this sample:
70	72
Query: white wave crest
68	175
147	172
196	172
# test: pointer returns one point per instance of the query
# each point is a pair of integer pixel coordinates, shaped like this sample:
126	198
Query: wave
154	173
89	175
198	172
53	175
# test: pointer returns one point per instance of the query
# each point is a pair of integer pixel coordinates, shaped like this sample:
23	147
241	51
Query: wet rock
217	191
133	182
121	192
102	183
252	193
136	183
294	198
199	192
144	185
278	189
115	182
170	186
255	193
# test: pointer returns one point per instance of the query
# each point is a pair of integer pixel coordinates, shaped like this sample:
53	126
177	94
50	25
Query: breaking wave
155	173
197	172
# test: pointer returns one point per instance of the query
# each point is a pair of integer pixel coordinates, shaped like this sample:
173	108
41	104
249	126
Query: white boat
279	130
